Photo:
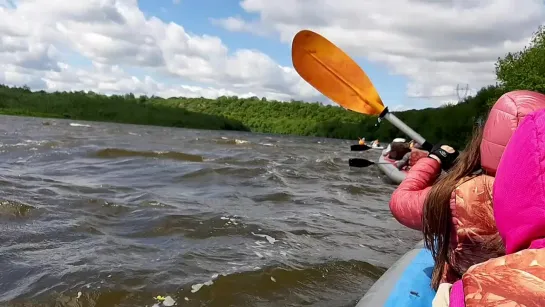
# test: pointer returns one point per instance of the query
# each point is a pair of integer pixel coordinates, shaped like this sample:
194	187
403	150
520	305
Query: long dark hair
437	218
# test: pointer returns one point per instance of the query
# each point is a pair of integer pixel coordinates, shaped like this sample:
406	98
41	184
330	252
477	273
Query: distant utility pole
462	92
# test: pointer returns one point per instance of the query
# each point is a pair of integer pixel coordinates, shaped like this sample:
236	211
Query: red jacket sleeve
407	201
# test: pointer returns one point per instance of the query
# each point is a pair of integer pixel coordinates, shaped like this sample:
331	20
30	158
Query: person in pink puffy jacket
518	278
455	213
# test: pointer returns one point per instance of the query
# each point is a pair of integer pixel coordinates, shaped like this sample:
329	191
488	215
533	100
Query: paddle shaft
406	129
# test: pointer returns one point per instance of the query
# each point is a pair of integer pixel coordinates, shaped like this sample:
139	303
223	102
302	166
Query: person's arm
407	201
404	161
387	151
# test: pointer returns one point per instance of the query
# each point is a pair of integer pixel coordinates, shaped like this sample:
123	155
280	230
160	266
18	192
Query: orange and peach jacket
518	278
471	207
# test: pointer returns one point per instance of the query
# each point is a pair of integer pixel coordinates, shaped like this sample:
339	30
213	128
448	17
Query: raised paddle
332	72
356	162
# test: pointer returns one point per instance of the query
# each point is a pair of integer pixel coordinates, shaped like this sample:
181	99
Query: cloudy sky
411	49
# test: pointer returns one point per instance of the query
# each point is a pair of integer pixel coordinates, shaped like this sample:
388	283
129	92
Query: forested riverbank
451	123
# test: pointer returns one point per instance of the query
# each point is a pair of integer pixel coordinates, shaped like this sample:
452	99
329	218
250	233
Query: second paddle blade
359	147
360	162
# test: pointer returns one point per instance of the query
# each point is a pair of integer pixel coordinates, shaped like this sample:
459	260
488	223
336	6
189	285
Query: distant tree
524	69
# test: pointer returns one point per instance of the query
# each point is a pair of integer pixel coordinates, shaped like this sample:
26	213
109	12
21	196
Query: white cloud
437	44
237	24
42	43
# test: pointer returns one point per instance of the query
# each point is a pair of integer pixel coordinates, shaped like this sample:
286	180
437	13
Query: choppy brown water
123	213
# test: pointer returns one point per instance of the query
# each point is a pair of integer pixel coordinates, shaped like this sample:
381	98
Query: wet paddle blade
359	147
360	162
332	72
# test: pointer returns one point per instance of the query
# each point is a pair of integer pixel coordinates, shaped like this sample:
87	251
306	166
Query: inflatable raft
406	283
387	166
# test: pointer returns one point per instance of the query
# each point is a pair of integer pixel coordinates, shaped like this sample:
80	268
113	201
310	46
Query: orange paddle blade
332	72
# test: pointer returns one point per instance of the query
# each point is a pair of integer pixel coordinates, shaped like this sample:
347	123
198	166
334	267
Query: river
101	214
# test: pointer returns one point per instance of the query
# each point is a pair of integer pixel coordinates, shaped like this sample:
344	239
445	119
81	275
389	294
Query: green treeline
95	107
451	123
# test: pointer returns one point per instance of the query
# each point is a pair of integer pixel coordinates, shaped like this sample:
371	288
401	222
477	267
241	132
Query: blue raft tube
406	283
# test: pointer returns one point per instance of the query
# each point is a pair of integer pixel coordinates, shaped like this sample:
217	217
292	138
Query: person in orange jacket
455	213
